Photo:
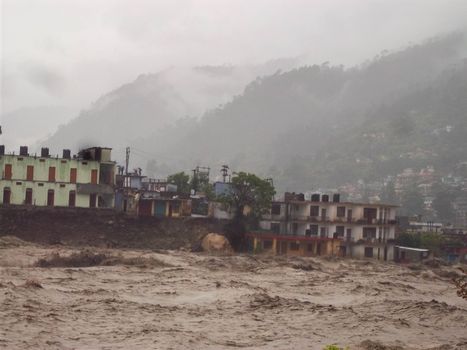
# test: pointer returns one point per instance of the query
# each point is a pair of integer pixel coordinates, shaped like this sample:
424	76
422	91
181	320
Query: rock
215	243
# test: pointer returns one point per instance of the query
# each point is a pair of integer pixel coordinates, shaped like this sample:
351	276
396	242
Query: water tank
44	152
66	154
23	151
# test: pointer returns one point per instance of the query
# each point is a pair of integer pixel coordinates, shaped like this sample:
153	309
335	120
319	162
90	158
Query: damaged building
85	180
326	226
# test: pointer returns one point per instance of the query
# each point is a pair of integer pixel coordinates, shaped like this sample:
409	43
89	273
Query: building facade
328	227
86	180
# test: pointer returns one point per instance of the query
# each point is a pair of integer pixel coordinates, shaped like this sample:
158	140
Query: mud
198	301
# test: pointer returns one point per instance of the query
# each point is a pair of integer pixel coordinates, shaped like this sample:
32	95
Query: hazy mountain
304	127
153	101
312	126
27	126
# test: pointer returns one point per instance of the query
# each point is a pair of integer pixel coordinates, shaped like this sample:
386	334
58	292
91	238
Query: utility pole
127	161
225	172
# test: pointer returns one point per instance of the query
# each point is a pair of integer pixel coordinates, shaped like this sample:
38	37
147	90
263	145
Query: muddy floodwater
183	300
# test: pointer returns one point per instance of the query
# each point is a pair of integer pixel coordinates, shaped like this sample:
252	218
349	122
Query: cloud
83	49
46	78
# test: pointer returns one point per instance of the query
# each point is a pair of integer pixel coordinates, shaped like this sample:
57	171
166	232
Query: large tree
249	197
182	181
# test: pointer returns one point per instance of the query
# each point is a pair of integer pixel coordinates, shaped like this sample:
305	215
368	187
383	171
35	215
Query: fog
67	54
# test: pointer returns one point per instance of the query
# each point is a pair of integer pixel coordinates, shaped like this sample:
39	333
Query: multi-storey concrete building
85	180
323	227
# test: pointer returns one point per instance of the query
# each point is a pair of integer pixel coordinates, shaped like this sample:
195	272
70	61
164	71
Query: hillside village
334	223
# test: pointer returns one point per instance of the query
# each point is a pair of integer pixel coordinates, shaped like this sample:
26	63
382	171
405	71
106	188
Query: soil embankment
103	228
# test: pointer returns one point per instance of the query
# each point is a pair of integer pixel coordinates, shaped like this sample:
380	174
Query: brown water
210	302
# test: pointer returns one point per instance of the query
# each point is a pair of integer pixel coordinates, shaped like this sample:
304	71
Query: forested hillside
314	126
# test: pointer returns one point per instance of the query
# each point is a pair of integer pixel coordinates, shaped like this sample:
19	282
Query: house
85	180
163	204
327	226
143	197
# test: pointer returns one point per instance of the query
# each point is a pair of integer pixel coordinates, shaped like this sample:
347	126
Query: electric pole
127	161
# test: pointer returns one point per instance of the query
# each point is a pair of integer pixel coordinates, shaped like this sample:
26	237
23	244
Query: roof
343	203
412	249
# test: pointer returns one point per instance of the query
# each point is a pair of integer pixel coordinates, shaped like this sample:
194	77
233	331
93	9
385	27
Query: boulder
215	243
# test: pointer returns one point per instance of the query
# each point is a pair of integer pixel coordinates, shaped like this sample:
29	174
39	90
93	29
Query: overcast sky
64	52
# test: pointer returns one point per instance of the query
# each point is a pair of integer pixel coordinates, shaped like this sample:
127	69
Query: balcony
273	217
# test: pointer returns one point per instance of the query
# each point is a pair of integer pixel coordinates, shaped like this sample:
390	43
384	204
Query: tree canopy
182	181
249	194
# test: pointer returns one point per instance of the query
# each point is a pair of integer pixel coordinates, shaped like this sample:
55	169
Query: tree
251	194
182	181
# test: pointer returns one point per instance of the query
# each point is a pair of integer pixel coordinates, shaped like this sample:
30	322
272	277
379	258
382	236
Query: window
309	247
275	227
368	252
73	175
314	210
50	198
6	195
52	174
72	199
340	231
294	246
340	212
276	209
94	176
42	160
314	230
28	197
30	173
267	244
8	172
369	232
40	184
323	214
323	232
62	185
19	183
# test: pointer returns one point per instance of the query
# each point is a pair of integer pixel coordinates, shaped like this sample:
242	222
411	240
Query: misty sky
68	53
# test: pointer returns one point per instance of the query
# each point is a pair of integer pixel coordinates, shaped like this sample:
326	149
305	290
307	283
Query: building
162	205
323	227
86	180
143	197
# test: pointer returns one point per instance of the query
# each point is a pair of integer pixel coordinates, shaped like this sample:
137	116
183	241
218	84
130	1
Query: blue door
160	209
